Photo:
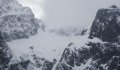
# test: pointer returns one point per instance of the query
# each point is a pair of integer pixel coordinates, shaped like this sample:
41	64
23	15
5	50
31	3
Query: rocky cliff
5	54
100	51
100	54
106	25
16	21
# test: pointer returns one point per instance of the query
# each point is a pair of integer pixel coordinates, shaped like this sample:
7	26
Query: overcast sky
57	13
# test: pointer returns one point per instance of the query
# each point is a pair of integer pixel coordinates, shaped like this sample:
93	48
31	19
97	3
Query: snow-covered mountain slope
16	21
101	49
30	47
69	31
42	49
48	45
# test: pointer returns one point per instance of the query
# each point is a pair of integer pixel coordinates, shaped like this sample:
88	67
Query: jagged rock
103	56
68	56
98	55
5	54
106	25
63	66
47	65
23	65
31	61
16	21
67	59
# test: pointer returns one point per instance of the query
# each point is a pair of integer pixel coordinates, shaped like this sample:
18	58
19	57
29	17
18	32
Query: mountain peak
16	21
106	25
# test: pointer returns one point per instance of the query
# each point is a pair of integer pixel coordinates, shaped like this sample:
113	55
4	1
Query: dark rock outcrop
31	61
106	25
16	21
5	54
103	55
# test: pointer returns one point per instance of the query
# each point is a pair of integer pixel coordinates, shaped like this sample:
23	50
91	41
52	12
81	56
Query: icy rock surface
5	54
102	48
16	21
106	25
98	49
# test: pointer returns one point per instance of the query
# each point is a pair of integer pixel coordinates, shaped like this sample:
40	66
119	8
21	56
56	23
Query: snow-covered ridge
69	31
106	24
16	21
31	48
100	49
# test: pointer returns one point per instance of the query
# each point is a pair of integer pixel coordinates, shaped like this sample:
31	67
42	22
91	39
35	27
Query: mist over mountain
25	44
101	49
17	21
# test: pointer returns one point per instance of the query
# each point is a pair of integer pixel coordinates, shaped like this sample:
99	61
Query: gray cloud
73	12
67	12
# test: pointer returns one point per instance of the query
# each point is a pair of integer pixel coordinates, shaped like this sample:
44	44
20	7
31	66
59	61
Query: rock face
16	22
106	25
5	54
96	55
29	61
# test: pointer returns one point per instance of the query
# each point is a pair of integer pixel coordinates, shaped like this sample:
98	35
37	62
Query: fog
58	13
35	5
